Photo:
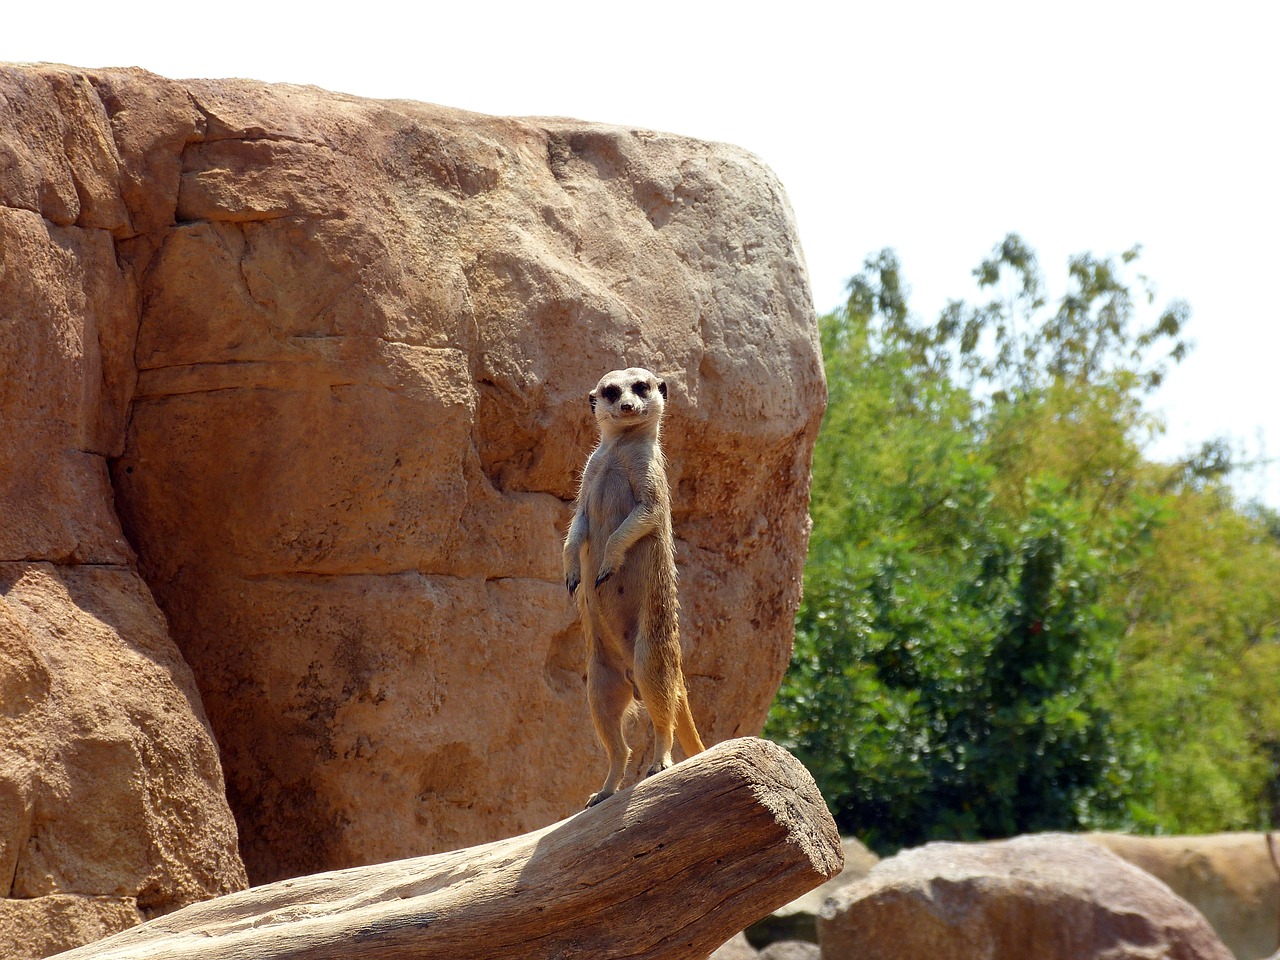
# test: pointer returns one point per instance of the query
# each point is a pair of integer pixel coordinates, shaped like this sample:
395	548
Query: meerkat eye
641	388
611	394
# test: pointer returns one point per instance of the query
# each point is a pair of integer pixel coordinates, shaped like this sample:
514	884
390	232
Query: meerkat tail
686	732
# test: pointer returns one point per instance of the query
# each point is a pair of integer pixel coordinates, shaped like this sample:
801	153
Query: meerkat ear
592	397
662	388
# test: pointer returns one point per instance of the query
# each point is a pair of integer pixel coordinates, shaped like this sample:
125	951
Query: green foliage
978	652
1199	668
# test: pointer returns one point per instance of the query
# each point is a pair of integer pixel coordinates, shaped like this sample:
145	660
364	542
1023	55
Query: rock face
1048	896
335	354
112	803
1228	877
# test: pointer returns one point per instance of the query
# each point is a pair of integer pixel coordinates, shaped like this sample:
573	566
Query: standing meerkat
619	561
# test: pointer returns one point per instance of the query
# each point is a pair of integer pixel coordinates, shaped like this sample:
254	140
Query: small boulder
791	950
735	948
1228	877
1049	896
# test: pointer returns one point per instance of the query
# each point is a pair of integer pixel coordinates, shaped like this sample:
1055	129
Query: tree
1198	669
984	522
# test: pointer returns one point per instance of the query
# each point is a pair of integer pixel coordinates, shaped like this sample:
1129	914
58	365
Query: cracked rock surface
113	808
310	371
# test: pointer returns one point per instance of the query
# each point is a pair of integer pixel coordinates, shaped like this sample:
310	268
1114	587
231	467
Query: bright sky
934	128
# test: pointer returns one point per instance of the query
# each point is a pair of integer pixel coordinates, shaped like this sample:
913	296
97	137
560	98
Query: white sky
934	128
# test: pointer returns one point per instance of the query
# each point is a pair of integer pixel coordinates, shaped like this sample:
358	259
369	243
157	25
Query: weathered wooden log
668	869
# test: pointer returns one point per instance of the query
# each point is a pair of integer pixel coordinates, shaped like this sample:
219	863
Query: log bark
670	869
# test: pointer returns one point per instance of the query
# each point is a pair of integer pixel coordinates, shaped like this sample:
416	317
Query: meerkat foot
572	582
604	575
598	797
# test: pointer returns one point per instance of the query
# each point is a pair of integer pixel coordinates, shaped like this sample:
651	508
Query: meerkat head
628	399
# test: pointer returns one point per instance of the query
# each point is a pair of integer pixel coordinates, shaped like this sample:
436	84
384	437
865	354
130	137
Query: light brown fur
619	561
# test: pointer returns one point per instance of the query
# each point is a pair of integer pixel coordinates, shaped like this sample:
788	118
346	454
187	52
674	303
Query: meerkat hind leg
657	689
609	692
663	741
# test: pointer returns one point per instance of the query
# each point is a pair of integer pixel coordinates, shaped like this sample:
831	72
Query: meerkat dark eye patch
611	393
641	388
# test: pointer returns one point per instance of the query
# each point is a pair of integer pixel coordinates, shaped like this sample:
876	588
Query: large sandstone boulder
1047	896
1228	877
112	803
343	351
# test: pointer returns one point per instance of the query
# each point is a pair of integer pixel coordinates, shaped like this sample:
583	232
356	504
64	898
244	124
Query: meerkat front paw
572	572
607	569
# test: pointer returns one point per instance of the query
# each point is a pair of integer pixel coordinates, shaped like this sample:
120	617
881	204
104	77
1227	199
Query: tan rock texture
112	801
336	354
364	352
1228	877
41	927
111	781
1054	897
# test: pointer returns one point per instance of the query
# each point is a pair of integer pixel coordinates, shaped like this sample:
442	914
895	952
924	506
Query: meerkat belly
617	602
610	503
616	608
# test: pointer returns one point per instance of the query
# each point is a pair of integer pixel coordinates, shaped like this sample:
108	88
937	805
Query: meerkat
619	562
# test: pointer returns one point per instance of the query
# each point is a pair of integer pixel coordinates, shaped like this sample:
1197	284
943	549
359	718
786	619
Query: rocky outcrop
1048	896
112	804
322	362
364	352
1228	877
